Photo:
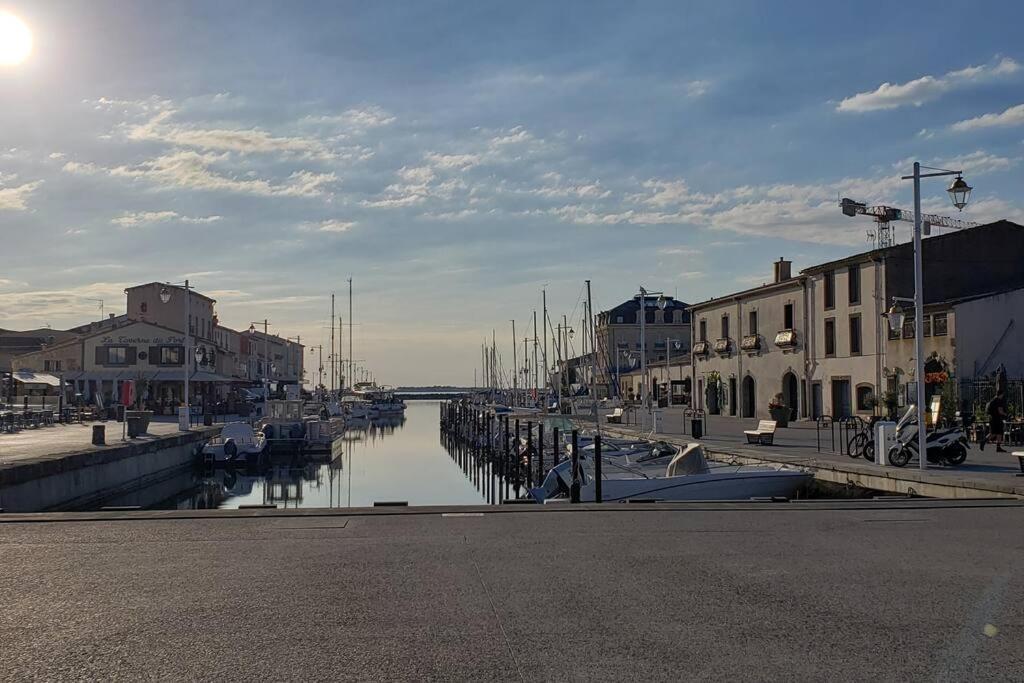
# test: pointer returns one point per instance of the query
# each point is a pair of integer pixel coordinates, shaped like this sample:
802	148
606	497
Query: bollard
540	455
554	448
597	468
574	488
529	455
98	435
505	461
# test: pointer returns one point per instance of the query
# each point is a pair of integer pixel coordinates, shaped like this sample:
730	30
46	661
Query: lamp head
662	302
165	294
959	192
252	329
895	317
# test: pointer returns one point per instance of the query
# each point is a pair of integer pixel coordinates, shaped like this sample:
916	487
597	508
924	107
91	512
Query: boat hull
712	486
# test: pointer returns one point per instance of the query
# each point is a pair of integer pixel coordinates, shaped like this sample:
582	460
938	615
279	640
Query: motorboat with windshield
667	475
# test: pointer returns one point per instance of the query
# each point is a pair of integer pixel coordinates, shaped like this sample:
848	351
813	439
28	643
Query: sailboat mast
535	354
515	365
544	324
333	357
350	356
593	361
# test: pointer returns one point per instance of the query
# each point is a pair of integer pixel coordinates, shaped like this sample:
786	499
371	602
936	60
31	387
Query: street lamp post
668	363
184	418
959	193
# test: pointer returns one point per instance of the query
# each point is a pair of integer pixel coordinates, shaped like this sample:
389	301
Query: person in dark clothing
996	410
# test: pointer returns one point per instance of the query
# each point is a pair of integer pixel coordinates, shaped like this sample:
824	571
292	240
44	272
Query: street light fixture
959	192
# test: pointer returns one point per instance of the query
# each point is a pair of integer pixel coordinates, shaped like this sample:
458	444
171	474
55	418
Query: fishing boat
663	475
288	428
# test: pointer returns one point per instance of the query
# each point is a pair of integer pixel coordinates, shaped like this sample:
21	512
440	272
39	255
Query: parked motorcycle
944	446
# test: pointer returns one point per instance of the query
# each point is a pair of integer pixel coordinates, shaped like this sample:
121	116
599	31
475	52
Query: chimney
110	315
783	270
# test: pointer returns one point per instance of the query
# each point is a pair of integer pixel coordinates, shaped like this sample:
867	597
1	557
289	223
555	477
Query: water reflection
389	459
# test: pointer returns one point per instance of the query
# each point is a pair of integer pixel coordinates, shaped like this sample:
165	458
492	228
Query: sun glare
15	40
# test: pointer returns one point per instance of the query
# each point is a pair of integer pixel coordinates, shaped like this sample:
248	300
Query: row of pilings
503	456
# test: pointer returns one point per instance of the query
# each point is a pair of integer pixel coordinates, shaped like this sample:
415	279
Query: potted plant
779	411
891	400
713	391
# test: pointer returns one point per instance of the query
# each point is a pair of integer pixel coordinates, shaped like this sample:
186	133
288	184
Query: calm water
396	460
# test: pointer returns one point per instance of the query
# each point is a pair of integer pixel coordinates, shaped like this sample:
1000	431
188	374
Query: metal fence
978	392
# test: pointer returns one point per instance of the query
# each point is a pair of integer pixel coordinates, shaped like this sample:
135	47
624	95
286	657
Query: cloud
137	218
15	198
331	225
358	119
56	155
188	169
978	162
242	141
924	89
1014	116
696	88
81	168
680	251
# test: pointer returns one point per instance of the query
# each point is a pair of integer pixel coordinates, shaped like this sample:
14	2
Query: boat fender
230	449
268	431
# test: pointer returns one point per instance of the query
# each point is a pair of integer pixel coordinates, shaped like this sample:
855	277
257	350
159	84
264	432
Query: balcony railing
751	342
723	345
785	339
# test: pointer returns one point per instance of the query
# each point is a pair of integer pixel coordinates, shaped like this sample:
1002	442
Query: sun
15	40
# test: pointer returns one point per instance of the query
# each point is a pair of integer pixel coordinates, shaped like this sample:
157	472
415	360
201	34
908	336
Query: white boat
659	475
288	428
237	443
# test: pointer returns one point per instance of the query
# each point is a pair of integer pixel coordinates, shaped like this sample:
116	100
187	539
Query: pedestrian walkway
60	439
984	474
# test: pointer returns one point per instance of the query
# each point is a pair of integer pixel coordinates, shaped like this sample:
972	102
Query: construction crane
883	236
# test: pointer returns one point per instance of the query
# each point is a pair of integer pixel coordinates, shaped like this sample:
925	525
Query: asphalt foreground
741	591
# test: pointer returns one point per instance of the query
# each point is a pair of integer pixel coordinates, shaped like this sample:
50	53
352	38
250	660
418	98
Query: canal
397	459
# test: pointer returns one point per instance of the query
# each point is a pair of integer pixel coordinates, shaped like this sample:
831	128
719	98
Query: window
854	335
725	327
703	330
650	317
908	328
830	337
618	319
51	366
171	355
927	325
853	282
753	324
864	393
670	317
939	325
830	288
787	315
117	355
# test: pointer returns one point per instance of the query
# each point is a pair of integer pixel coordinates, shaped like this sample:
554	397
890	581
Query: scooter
944	446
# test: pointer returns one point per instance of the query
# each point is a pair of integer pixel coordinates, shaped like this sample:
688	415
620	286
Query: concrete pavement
743	591
59	439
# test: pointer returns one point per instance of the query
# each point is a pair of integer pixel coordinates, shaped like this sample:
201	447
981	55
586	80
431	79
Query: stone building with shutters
151	355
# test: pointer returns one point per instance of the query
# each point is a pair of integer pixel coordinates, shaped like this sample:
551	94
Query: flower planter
780	415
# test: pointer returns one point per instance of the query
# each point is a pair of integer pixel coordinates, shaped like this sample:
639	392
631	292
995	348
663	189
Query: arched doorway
749	397
789	394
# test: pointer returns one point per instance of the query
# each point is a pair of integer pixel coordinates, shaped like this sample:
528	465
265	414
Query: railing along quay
503	456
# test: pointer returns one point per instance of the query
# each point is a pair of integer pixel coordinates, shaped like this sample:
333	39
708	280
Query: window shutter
130	355
154	355
101	355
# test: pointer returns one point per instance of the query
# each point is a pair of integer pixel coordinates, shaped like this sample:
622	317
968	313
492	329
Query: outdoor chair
615	417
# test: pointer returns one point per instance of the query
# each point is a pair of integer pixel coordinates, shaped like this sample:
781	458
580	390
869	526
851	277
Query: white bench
764	435
615	416
1020	459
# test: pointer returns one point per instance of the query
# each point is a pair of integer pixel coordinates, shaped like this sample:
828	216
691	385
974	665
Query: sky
456	158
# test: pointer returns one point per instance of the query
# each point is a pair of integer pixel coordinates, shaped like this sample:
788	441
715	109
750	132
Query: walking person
996	410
